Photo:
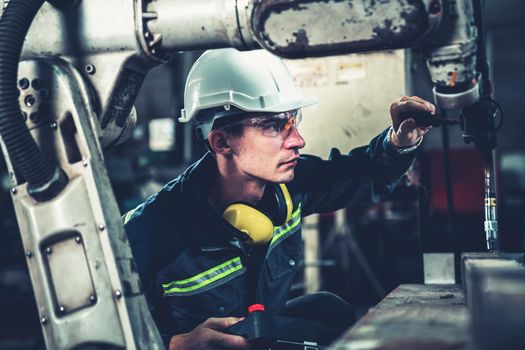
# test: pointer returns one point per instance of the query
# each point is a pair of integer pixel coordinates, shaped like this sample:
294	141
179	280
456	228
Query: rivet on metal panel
29	254
78	239
43	320
84	161
101	227
23	83
49	250
44	93
36	84
53	125
35	117
62	309
13	190
118	294
90	69
29	101
92	299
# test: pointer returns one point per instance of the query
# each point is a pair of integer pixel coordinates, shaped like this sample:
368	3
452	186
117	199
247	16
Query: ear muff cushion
251	221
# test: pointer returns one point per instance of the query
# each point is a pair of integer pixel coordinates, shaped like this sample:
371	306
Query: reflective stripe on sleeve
223	272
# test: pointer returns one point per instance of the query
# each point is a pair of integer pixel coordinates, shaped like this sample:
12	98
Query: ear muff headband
254	223
287	201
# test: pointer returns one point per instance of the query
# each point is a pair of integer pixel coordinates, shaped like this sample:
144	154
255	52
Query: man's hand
405	132
208	335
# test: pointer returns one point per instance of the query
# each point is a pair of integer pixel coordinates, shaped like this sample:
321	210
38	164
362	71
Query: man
198	252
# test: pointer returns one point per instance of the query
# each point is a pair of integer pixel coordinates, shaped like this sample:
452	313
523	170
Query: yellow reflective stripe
282	230
207	272
129	214
203	284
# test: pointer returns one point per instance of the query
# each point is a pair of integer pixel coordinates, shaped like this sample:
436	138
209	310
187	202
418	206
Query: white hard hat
251	81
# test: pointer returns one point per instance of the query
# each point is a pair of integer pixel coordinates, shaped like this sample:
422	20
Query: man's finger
430	107
407	126
221	323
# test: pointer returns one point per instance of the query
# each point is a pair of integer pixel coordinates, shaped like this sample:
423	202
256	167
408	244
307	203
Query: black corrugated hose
43	180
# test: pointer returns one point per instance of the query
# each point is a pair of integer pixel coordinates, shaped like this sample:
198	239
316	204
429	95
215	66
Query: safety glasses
273	124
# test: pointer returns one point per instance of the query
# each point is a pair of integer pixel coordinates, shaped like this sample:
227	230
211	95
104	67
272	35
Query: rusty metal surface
303	28
427	317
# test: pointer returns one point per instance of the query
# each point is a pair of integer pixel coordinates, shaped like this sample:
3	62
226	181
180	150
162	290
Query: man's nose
294	139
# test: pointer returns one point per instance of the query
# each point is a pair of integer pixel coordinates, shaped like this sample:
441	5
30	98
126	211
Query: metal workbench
413	317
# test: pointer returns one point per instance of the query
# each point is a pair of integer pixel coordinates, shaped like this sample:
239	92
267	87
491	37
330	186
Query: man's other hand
406	133
208	335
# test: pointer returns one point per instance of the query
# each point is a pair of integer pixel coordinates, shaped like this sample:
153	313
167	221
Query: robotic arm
83	63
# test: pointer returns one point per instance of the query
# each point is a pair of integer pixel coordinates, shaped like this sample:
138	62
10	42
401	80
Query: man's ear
219	142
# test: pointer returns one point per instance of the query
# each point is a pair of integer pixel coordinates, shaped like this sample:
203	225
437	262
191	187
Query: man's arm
367	174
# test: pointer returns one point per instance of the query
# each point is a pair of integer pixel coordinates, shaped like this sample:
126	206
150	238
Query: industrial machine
70	71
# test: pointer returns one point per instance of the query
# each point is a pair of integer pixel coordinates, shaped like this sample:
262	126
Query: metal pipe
491	223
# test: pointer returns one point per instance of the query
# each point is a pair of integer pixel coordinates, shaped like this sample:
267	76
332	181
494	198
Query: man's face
268	151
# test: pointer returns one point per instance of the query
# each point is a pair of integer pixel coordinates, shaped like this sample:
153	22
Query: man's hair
223	123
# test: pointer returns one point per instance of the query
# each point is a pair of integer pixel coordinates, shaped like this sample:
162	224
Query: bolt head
62	309
43	320
92	298
90	69
49	250
29	101
54	125
78	239
14	190
118	294
23	83
35	117
29	254
101	227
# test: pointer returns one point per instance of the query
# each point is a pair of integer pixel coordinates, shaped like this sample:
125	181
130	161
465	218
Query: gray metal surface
220	23
438	268
295	28
80	264
452	62
495	290
426	317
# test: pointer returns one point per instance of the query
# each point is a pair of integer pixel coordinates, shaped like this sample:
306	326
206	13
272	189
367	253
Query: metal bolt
84	161
23	83
34	117
44	93
13	190
291	262
43	320
78	239
29	254
92	299
30	100
147	35
36	84
118	294
101	227
54	125
90	69
62	309
49	250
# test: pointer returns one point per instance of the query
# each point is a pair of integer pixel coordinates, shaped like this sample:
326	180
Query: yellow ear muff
251	221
